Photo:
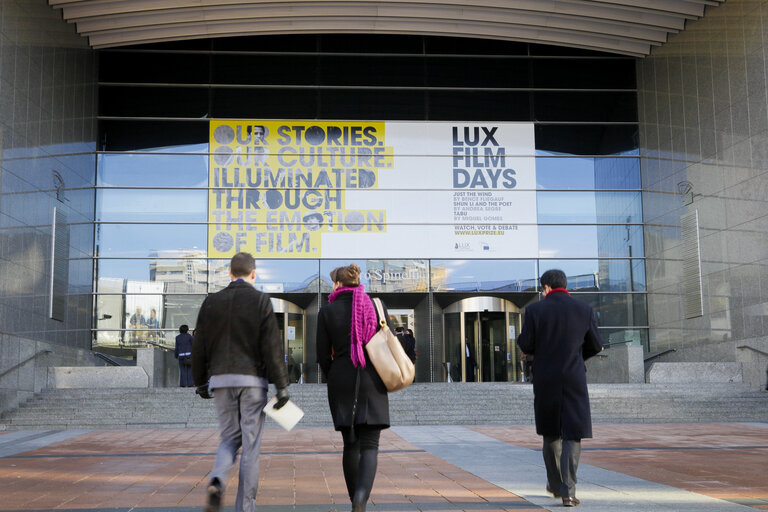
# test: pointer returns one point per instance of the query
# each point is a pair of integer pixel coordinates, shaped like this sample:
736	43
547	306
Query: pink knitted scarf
363	320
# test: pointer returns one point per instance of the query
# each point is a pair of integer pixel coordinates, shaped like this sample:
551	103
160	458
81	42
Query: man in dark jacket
561	333
183	352
237	350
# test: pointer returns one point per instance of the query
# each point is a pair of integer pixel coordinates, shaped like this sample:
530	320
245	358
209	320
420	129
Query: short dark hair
242	264
554	278
184	328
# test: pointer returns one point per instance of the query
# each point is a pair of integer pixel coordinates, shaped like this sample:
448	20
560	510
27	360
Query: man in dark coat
561	333
236	351
183	352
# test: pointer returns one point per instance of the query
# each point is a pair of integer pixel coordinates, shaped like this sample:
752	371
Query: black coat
236	332
561	332
333	354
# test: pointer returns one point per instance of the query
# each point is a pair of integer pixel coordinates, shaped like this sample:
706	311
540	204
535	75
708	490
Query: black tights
359	462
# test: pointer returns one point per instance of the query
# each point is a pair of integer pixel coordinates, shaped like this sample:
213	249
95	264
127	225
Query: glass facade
153	266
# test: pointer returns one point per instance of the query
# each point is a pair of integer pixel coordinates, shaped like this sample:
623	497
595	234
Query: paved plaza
671	467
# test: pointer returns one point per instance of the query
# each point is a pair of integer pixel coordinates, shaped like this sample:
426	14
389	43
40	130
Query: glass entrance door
290	322
479	336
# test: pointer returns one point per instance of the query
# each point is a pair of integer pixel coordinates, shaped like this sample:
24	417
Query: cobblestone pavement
701	467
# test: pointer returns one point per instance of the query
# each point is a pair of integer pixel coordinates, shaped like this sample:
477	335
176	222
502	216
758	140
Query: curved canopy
629	27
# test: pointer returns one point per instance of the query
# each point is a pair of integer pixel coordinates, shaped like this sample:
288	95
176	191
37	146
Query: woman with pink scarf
356	395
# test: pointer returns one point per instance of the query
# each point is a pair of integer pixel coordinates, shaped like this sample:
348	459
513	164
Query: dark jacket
183	345
236	332
333	354
561	332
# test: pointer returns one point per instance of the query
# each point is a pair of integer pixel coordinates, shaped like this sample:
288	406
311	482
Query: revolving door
479	334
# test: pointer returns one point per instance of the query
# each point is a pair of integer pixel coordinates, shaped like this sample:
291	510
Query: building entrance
480	335
291	321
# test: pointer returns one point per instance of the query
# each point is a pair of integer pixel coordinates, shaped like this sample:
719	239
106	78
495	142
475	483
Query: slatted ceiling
629	27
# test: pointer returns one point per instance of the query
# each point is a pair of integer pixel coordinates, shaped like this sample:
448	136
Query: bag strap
380	311
352	436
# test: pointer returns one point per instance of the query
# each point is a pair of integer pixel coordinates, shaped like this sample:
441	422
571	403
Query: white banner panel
359	189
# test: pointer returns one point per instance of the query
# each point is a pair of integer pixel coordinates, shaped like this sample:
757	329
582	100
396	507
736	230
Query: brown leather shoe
571	502
556	494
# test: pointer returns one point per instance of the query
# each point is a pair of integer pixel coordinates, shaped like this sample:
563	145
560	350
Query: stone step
420	404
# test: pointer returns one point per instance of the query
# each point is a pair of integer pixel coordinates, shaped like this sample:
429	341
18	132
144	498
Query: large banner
359	189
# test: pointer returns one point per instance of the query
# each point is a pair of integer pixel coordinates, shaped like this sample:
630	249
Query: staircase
420	404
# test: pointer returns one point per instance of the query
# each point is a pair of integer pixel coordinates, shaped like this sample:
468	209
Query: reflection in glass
272	276
124	205
600	275
152	170
589	207
487	275
617	309
109	311
383	276
637	336
145	240
452	348
608	241
141	318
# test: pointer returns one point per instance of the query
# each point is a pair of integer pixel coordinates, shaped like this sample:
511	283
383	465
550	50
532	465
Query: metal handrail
651	357
158	345
22	363
106	358
761	352
611	343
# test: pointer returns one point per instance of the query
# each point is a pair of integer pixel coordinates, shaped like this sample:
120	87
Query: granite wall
47	161
704	147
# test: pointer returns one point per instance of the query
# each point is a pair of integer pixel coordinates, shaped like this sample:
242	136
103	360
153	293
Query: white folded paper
287	416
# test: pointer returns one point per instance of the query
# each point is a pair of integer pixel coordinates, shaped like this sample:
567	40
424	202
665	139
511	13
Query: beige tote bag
388	356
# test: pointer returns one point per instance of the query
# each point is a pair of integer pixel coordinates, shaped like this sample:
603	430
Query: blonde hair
347	276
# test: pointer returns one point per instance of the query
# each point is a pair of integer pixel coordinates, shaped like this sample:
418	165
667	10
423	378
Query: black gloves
282	398
203	391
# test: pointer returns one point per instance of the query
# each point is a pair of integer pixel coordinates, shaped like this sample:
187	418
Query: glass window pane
382	276
486	72
148	170
496	275
140	317
150	205
145	240
589	207
587	173
637	336
600	275
165	136
613	73
128	101
123	205
575	139
617	309
612	241
369	70
272	276
581	106
187	273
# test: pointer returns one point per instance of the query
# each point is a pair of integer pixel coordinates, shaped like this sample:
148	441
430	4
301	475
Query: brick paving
725	461
153	470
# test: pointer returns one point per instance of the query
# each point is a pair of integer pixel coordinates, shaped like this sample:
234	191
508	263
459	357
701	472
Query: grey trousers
241	420
561	458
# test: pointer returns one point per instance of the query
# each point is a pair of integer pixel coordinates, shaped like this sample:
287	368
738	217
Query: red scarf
558	290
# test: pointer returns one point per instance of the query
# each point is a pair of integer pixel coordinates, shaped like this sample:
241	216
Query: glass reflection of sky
293	275
517	275
589	207
151	170
152	205
141	240
587	173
